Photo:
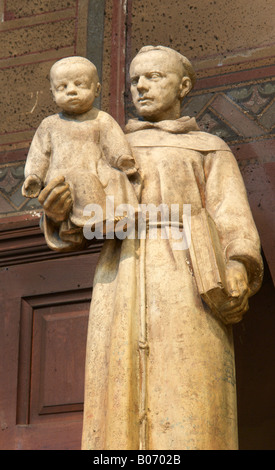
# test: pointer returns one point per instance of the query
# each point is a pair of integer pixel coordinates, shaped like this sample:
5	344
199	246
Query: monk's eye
154	76
134	81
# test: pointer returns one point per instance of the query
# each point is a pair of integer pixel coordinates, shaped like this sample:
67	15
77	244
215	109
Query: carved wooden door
45	300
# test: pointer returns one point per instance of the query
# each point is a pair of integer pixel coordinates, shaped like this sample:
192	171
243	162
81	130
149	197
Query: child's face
74	87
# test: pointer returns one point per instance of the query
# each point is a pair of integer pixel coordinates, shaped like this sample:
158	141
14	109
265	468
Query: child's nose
71	89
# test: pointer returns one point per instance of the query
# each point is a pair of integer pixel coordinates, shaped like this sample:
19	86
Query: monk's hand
237	290
56	199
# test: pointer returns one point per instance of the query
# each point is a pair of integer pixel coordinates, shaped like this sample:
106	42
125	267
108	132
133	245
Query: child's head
74	84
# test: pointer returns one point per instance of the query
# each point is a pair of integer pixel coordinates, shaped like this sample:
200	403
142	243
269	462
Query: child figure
83	144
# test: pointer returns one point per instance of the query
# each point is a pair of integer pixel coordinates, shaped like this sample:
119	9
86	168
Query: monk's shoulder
209	142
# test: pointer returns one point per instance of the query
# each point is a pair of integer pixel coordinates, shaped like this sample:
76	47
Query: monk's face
156	85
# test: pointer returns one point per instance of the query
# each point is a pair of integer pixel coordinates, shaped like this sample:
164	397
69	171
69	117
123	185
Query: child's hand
32	186
127	164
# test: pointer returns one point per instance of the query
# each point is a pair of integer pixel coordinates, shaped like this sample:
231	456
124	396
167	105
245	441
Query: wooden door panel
58	361
53	331
44	308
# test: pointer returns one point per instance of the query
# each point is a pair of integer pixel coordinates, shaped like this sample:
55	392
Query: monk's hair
187	68
73	60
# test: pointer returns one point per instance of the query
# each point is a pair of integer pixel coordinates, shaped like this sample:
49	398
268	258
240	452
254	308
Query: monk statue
160	372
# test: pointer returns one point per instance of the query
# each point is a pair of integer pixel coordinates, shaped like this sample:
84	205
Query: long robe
175	388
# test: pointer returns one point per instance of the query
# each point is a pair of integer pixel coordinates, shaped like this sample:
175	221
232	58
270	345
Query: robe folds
176	388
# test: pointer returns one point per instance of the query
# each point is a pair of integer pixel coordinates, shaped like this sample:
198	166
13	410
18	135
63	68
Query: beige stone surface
27	100
210	33
27	43
160	370
24	8
33	36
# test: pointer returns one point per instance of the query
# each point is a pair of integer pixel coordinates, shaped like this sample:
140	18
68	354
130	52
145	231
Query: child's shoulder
104	117
50	120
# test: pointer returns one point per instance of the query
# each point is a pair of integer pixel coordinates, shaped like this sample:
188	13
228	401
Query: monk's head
160	79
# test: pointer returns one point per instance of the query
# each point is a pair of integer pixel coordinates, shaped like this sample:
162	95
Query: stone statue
160	368
83	145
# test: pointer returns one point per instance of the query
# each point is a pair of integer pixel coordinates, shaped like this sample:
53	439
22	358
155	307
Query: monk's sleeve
64	237
227	203
39	153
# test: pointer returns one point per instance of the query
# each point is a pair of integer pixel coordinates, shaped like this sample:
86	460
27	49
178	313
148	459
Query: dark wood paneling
53	331
44	302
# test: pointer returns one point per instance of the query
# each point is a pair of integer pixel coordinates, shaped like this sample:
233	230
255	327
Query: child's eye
80	84
61	87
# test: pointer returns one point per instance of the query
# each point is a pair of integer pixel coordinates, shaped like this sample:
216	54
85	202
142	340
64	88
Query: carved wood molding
21	241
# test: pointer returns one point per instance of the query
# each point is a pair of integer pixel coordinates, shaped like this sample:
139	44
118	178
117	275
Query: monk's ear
185	87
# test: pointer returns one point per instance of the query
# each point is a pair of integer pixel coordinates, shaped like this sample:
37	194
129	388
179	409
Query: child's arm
32	186
37	163
115	146
127	164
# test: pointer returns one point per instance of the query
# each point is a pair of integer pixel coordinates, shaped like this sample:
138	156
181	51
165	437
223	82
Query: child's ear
98	89
53	95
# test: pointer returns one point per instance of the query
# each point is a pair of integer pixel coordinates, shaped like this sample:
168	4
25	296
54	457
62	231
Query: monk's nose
142	84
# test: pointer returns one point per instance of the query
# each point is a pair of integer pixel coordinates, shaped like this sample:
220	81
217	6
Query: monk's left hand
237	289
